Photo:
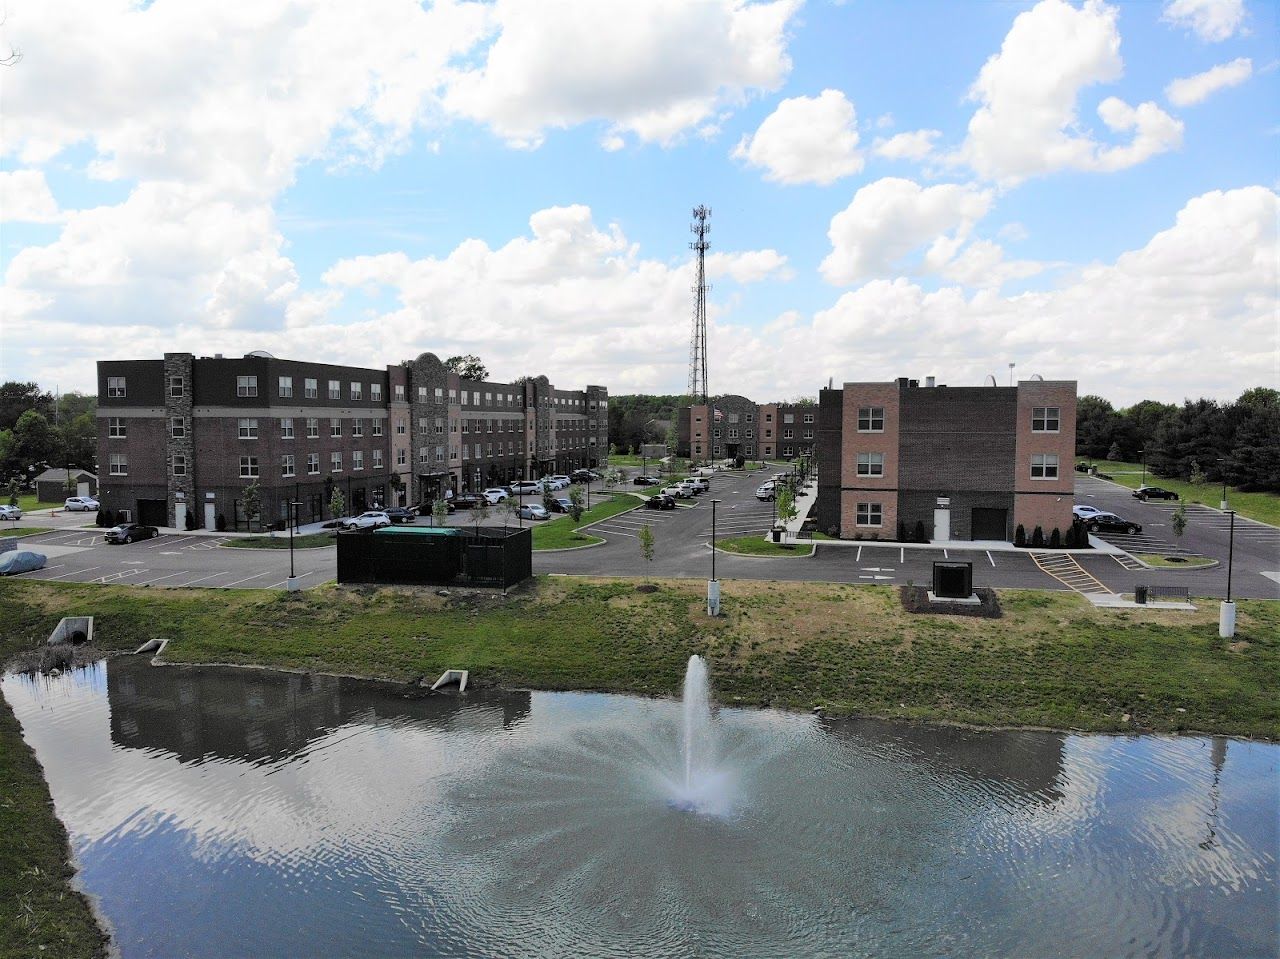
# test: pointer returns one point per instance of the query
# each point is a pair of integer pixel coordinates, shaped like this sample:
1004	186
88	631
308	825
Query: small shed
51	485
436	555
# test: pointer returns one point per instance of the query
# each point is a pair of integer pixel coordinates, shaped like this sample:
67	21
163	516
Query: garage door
153	512
990	523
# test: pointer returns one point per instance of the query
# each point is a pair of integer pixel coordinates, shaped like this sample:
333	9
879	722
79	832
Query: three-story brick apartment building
967	463
185	436
732	426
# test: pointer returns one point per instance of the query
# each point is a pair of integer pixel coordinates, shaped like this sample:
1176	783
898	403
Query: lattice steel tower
698	342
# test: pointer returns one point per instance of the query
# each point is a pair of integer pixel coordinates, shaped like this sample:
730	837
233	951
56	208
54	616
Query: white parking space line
223	572
246	579
159	578
43	569
902	554
989	559
284	582
858	558
120	574
617	532
162	540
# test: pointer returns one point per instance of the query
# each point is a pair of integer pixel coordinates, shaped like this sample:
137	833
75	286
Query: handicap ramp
1066	570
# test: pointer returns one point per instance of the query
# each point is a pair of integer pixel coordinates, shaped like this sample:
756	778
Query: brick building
187	435
732	426
963	463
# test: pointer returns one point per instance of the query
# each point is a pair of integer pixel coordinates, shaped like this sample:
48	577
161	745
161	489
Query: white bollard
292	584
713	597
1227	620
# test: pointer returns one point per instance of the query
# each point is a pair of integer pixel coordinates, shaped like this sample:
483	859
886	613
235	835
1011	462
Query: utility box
437	556
952	580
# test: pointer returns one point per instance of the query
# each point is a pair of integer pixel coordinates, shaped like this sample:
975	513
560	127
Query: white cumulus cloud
806	140
915	145
1210	20
25	198
1188	91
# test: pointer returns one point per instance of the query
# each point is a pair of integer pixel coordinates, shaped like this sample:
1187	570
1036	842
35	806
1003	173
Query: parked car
584	476
373	519
766	493
675	492
534	511
21	561
10	512
467	501
1110	523
1083	467
495	495
647	480
128	532
660	502
402	514
561	504
564	481
1154	492
80	504
703	484
1084	510
692	486
526	488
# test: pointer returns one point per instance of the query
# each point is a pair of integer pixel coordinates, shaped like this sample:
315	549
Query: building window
177	386
733	434
116	428
335	426
286	428
375	392
808	417
313	463
870	419
335	390
1046	419
715	434
248	429
313	427
311	389
248	467
400	457
870	464
422	426
808	434
768	417
423	456
179	464
870	514
286	386
788	417
115	386
335	462
751	434
286	464
400	426
439	393
1044	465
788	434
751	417
357	427
177	427
377	427
246	386
357	459
786	451
400	392
377	459
357	391
715	451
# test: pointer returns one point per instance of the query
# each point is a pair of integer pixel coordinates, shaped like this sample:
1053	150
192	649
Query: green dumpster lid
418	531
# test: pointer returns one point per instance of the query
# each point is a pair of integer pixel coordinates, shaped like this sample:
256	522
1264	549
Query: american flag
716	414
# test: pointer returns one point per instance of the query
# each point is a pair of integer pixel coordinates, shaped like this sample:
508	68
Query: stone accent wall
428	372
181	489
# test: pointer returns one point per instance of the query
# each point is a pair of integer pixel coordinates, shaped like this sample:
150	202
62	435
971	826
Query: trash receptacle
777	535
1140	594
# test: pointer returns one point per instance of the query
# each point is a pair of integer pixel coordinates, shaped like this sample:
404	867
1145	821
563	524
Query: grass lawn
563	532
7	530
758	546
1264	507
28	502
1161	561
309	541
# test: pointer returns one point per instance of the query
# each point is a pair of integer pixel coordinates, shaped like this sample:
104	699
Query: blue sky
1085	189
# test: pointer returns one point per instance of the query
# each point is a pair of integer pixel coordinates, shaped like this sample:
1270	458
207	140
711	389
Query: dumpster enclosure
436	556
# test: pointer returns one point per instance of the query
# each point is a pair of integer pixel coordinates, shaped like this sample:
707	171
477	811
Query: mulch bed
915	599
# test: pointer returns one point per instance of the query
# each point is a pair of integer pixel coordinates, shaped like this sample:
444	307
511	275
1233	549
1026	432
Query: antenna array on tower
698	342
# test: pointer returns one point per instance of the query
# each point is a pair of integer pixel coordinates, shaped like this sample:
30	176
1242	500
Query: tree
12	490
510	509
1178	523
468	366
479	513
576	503
35	441
612	477
337	503
396	484
646	543
1114	454
439	511
252	502
17	398
673	438
1198	477
1254	461
786	503
79	438
1096	423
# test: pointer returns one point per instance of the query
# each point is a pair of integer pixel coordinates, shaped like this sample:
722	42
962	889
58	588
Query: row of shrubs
1076	537
108	518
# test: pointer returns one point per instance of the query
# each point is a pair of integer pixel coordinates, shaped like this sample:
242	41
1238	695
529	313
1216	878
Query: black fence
436	556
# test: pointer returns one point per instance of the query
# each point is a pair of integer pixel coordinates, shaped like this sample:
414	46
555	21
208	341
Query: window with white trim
117	429
377	459
248	467
177	427
177	386
401	458
285	387
357	459
313	464
313	427
788	434
286	428
115	386
357	427
357	390
310	389
423	456
870	514
248	428
1046	419
286	464
400	426
788	417
870	464
246	386
400	392
179	464
377	426
870	419
335	390
335	462
335	426
808	417
1044	466
375	392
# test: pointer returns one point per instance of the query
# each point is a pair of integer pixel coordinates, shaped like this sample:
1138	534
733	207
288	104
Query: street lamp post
1143	454
292	584
713	586
1227	613
1223	468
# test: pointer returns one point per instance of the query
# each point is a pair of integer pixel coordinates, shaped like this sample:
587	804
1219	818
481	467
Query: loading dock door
990	523
153	512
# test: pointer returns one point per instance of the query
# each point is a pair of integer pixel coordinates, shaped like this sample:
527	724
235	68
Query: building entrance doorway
210	516
180	515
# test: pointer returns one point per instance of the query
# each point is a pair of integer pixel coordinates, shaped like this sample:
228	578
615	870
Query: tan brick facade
883	489
1039	501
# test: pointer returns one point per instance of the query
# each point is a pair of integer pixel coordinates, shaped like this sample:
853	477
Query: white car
526	488
84	503
494	495
766	492
676	492
564	481
10	512
372	519
691	485
1084	511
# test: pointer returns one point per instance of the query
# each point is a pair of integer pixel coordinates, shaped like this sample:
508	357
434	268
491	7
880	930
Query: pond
227	812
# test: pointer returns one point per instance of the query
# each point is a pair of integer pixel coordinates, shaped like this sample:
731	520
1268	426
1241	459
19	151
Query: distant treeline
1237	442
642	418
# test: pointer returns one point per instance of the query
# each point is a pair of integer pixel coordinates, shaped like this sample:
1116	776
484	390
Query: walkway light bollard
713	585
292	583
1227	612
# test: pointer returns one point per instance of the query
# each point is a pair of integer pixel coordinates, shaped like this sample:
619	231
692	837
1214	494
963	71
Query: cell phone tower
698	342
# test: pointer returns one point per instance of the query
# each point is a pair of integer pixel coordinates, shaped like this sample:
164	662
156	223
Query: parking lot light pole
1222	467
1143	455
1227	613
292	584
713	586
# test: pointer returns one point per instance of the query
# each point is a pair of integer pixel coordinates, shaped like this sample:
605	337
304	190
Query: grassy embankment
759	546
28	502
564	532
7	530
309	541
1264	507
1052	660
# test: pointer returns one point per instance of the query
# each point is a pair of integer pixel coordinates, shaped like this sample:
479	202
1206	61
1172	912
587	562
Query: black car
647	480
467	501
558	504
660	502
400	514
1110	523
1154	492
128	532
583	476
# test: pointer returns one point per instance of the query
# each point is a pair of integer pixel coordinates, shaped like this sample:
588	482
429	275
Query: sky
1087	190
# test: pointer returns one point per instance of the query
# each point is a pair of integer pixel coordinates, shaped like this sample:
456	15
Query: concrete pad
1116	601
